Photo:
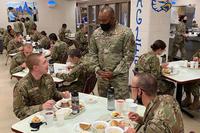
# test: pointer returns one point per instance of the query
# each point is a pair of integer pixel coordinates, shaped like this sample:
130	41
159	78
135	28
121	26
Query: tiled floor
7	118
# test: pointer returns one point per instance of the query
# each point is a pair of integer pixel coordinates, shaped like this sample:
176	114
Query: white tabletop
24	72
93	112
183	74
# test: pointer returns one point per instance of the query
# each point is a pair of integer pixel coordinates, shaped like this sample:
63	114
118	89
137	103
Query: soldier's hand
130	130
108	74
23	65
20	48
48	104
66	94
134	117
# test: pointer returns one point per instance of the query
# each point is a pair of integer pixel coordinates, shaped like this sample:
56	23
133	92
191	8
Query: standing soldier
18	26
59	51
18	61
15	45
179	40
82	40
111	50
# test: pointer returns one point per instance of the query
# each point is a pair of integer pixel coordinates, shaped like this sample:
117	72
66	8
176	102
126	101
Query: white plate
58	103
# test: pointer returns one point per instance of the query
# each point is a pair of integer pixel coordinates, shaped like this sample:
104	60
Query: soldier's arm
128	57
20	103
155	66
11	49
93	53
54	53
15	67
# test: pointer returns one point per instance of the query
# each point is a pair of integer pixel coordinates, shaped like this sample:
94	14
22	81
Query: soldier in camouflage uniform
15	45
18	26
18	61
44	41
149	63
82	40
162	114
8	36
111	50
192	88
59	51
36	91
62	32
28	25
179	40
77	72
35	35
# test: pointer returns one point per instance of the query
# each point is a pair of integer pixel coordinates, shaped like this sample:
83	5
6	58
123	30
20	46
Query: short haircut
43	33
17	34
158	44
32	60
28	45
64	25
109	9
147	83
27	18
53	37
74	53
34	27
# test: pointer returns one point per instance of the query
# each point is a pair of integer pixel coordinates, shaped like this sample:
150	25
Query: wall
50	19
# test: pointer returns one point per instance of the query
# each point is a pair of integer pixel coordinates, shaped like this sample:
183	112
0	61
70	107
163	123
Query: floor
7	118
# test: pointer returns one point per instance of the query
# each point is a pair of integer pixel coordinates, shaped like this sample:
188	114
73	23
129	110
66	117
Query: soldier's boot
196	103
187	101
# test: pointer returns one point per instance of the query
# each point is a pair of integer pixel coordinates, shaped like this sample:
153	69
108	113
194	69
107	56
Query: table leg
179	99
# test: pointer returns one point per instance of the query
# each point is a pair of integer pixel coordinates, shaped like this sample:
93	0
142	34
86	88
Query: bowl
100	126
113	129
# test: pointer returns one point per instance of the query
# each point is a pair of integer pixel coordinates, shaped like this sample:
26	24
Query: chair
90	83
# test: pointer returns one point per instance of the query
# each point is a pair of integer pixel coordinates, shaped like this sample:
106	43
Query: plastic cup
196	66
119	105
49	116
192	64
133	107
60	115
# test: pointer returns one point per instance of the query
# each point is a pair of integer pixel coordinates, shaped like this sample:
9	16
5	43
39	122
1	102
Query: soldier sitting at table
36	91
162	114
18	61
44	41
15	45
192	88
59	51
149	63
35	35
77	71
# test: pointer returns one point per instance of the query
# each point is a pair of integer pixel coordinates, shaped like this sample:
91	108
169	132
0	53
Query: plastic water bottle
75	103
111	99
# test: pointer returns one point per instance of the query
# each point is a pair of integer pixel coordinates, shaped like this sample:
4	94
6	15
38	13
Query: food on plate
115	114
66	104
36	119
166	71
100	126
114	123
118	123
85	126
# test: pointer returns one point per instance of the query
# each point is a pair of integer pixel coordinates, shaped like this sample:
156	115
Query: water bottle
75	103
110	99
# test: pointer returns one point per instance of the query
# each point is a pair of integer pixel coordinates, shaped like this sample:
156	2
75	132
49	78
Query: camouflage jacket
29	94
13	46
35	36
45	42
162	115
16	63
6	39
61	33
180	30
18	27
149	63
82	41
112	50
77	77
59	52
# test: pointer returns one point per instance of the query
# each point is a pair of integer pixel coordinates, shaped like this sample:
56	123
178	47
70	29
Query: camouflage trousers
178	46
192	88
120	84
165	87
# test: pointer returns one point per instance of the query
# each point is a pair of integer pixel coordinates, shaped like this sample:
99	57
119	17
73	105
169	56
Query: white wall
50	19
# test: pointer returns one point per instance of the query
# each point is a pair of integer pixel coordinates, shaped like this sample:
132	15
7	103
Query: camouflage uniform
162	115
179	40
82	41
112	51
29	27
197	54
35	36
29	94
18	27
77	77
149	63
13	46
59	52
16	63
6	39
62	32
45	42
